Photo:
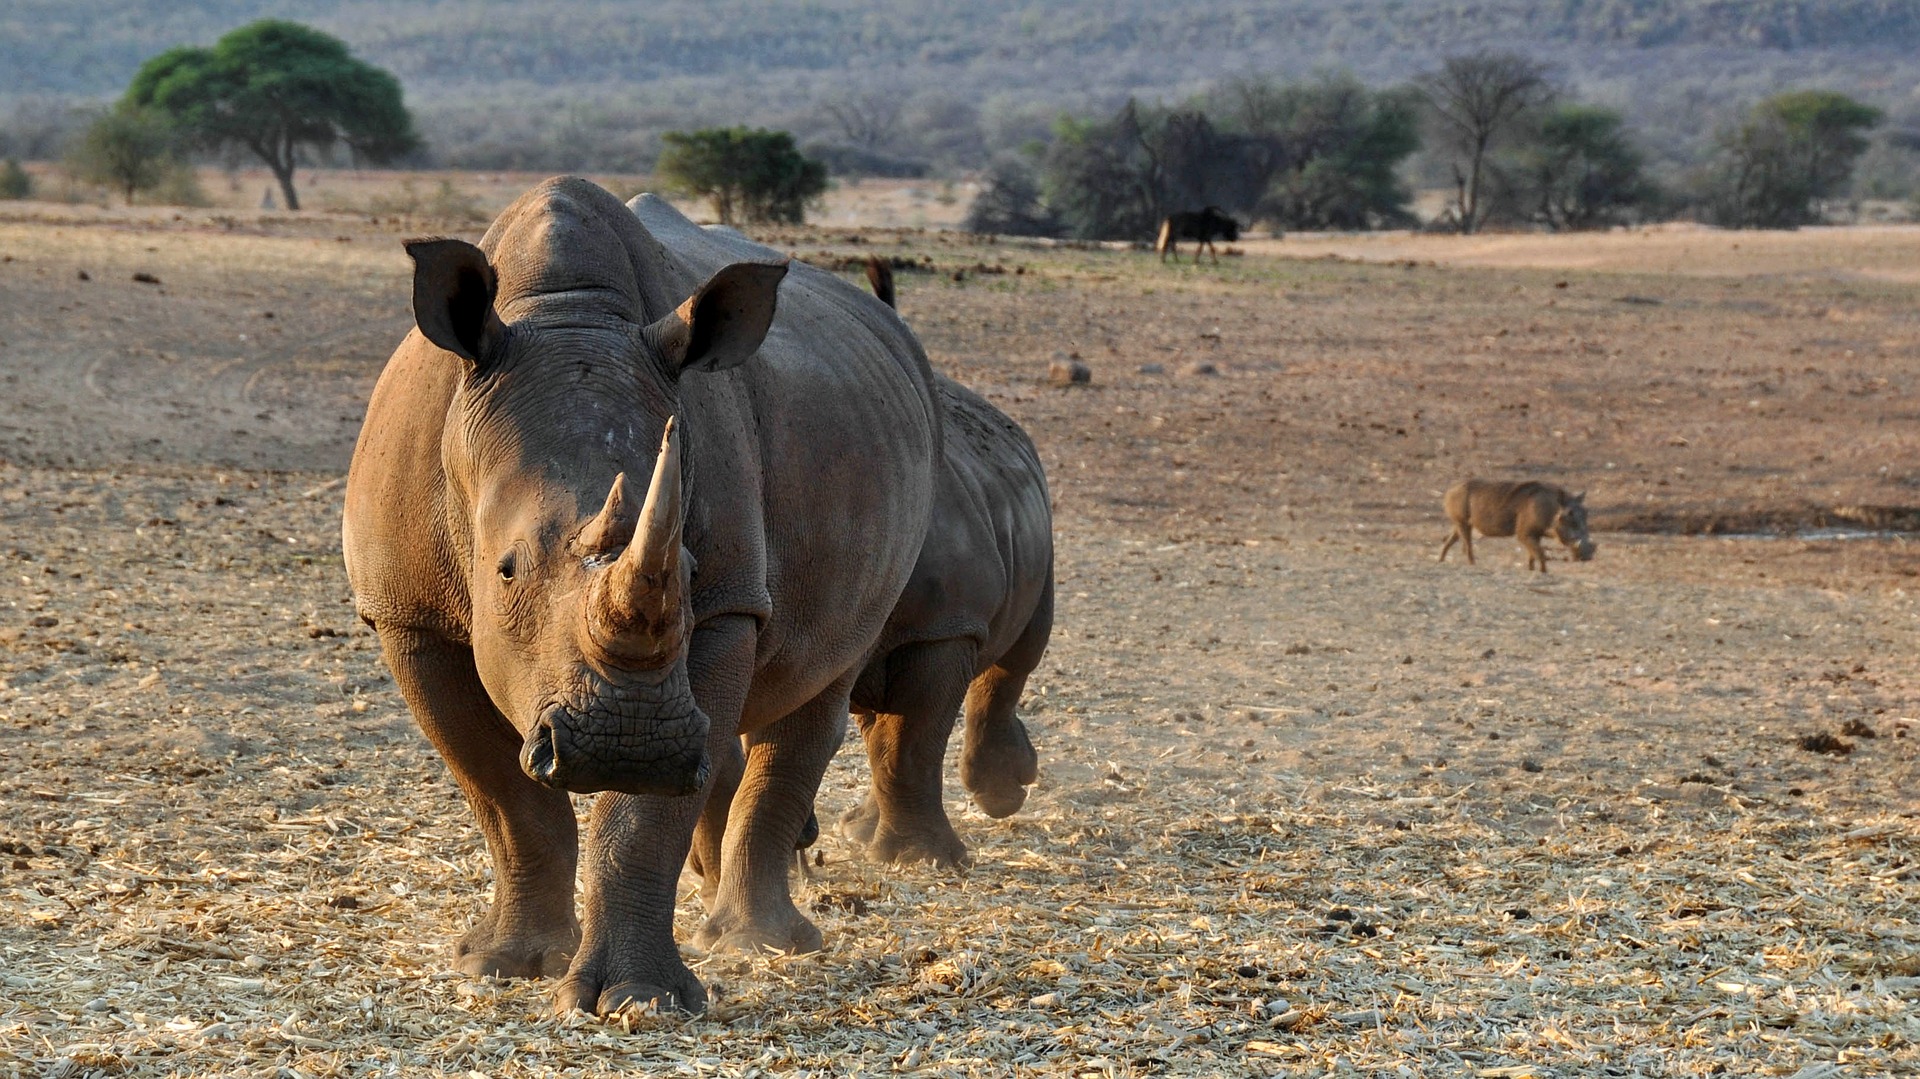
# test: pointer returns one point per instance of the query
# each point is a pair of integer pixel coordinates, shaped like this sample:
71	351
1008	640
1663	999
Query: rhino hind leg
753	909
998	763
903	818
530	930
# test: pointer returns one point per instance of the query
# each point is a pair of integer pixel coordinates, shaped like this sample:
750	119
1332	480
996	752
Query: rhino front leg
636	845
753	911
903	818
530	930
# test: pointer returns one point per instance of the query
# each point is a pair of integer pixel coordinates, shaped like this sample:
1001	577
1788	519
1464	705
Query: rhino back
989	552
847	433
404	553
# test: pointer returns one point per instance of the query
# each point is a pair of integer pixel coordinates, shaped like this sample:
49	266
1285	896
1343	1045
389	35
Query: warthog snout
672	759
1584	551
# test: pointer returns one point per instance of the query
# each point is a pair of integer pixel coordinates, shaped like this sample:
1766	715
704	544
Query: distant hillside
550	81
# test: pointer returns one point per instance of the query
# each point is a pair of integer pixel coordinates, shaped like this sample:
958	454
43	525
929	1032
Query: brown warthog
970	627
553	631
1525	510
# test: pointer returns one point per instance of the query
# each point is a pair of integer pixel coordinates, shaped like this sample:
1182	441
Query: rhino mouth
595	752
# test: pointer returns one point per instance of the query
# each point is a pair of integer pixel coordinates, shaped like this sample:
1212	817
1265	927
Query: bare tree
1473	100
868	118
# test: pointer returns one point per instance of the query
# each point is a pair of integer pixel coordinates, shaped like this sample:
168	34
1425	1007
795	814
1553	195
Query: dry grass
1310	804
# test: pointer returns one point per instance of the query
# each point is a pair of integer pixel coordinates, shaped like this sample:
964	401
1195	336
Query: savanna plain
1310	802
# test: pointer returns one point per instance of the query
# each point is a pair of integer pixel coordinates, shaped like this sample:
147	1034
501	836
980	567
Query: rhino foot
582	994
488	953
860	822
940	845
998	769
791	935
602	983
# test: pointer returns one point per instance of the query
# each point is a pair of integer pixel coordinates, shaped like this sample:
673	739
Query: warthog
1201	226
1525	510
556	627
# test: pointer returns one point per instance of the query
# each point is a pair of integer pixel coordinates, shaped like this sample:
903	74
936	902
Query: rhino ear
722	324
453	289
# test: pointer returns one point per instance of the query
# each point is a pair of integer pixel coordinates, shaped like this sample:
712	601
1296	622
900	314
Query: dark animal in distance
1526	511
691	652
1201	226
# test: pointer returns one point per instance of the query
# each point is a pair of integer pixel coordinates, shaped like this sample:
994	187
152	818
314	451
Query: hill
570	83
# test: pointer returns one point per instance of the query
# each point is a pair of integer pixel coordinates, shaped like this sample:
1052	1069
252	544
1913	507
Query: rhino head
1570	527
578	579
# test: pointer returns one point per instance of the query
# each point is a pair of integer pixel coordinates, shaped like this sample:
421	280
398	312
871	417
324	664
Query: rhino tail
880	279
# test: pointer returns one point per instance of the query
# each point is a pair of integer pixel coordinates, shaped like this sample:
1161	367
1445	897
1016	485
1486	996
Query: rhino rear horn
611	528
453	290
723	323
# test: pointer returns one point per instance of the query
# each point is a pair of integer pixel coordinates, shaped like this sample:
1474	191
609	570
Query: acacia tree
1582	171
278	88
1474	100
1794	150
1326	151
750	174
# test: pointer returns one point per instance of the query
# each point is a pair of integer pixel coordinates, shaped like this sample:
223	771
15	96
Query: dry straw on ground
1310	803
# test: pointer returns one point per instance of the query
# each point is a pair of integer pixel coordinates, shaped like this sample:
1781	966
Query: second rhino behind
1527	511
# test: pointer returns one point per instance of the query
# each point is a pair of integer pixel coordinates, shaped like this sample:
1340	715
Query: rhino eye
506	567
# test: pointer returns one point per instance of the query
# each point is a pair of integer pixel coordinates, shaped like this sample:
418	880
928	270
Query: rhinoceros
1526	511
969	629
625	524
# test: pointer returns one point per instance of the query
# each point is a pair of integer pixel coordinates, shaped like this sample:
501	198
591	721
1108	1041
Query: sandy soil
1310	803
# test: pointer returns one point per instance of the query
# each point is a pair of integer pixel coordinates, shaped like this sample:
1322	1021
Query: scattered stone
146	278
1858	729
1200	367
1046	1000
1153	368
1531	765
44	621
1826	743
84	275
1298	650
344	902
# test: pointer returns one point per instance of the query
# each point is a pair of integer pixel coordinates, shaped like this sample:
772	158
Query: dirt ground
1310	802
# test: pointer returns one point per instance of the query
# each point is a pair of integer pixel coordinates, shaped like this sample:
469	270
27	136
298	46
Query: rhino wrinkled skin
972	624
625	524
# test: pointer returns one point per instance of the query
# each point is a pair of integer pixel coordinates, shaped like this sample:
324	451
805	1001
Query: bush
128	148
14	181
1794	151
1577	169
750	174
1009	202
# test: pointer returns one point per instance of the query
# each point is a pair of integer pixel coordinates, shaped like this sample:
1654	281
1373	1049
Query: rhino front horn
636	610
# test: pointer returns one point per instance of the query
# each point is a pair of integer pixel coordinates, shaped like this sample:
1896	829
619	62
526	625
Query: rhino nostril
538	758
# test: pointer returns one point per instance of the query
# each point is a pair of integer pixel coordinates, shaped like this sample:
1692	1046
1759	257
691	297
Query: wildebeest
971	625
554	631
1201	226
1526	510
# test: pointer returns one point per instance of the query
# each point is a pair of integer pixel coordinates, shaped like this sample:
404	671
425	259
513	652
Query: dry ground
1310	802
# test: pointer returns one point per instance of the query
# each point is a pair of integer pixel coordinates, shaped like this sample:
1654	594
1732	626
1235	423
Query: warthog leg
1535	556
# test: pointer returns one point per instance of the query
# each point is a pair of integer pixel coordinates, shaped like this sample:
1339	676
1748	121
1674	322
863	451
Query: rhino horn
636	611
611	528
